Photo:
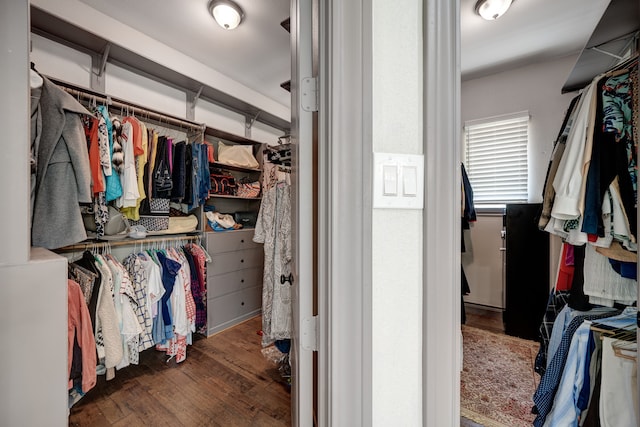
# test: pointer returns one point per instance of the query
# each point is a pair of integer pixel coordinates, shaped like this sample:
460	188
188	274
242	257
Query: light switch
398	181
409	181
390	173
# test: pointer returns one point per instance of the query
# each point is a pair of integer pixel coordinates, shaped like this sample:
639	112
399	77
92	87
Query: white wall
33	307
215	116
397	234
124	84
56	60
536	88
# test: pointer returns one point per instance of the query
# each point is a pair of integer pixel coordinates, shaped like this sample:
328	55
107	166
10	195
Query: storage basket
153	222
159	206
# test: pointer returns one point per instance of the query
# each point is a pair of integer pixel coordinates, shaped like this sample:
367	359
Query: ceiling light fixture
492	9
226	13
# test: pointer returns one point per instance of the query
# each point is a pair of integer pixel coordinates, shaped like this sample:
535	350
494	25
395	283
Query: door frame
441	350
303	341
345	213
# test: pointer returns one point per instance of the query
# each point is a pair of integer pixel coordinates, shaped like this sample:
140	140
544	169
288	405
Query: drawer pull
241	280
241	260
284	279
241	240
242	303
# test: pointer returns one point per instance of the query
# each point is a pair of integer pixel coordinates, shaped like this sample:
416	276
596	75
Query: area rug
497	381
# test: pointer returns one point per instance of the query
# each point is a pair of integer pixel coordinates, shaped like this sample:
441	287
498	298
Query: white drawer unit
227	262
229	310
231	241
234	279
223	284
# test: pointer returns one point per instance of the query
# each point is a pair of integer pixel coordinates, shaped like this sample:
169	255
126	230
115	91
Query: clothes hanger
623	67
35	79
625	346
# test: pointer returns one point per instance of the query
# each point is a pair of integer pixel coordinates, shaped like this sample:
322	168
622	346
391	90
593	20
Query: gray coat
63	177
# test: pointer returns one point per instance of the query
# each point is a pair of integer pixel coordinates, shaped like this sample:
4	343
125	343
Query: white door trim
301	355
344	214
441	351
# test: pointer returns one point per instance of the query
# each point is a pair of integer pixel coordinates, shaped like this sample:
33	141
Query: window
496	158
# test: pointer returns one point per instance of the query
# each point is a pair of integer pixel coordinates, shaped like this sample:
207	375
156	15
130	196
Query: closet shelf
616	33
232	167
127	241
224	196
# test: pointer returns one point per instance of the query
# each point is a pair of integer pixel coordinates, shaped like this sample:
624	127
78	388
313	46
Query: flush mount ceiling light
492	9
226	13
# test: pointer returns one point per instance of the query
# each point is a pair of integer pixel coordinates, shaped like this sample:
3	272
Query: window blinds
496	158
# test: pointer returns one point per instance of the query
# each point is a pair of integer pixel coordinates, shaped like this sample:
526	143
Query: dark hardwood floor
484	318
225	381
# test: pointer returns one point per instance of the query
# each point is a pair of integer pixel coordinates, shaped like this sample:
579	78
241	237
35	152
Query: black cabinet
527	271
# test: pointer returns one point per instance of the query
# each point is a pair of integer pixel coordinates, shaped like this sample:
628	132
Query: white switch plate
409	179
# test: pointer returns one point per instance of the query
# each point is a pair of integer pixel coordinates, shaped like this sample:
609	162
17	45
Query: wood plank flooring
482	318
225	381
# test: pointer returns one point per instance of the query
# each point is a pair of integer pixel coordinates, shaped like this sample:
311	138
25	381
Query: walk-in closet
165	189
546	269
257	220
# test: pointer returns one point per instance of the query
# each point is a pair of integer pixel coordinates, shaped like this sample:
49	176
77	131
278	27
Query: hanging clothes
613	153
114	187
468	216
619	388
91	127
558	151
603	285
199	288
80	332
548	386
140	282
583	394
590	202
107	329
127	169
142	157
593	187
63	173
124	298
273	230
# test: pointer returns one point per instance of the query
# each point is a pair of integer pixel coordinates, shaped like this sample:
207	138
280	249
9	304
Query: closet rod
87	245
90	96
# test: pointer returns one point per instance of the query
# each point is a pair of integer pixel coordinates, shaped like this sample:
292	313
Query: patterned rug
497	381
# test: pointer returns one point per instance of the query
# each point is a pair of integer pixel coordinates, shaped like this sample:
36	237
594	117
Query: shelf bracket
248	124
98	68
192	100
105	57
197	95
597	49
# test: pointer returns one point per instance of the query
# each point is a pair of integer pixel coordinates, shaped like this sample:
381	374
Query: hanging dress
273	229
